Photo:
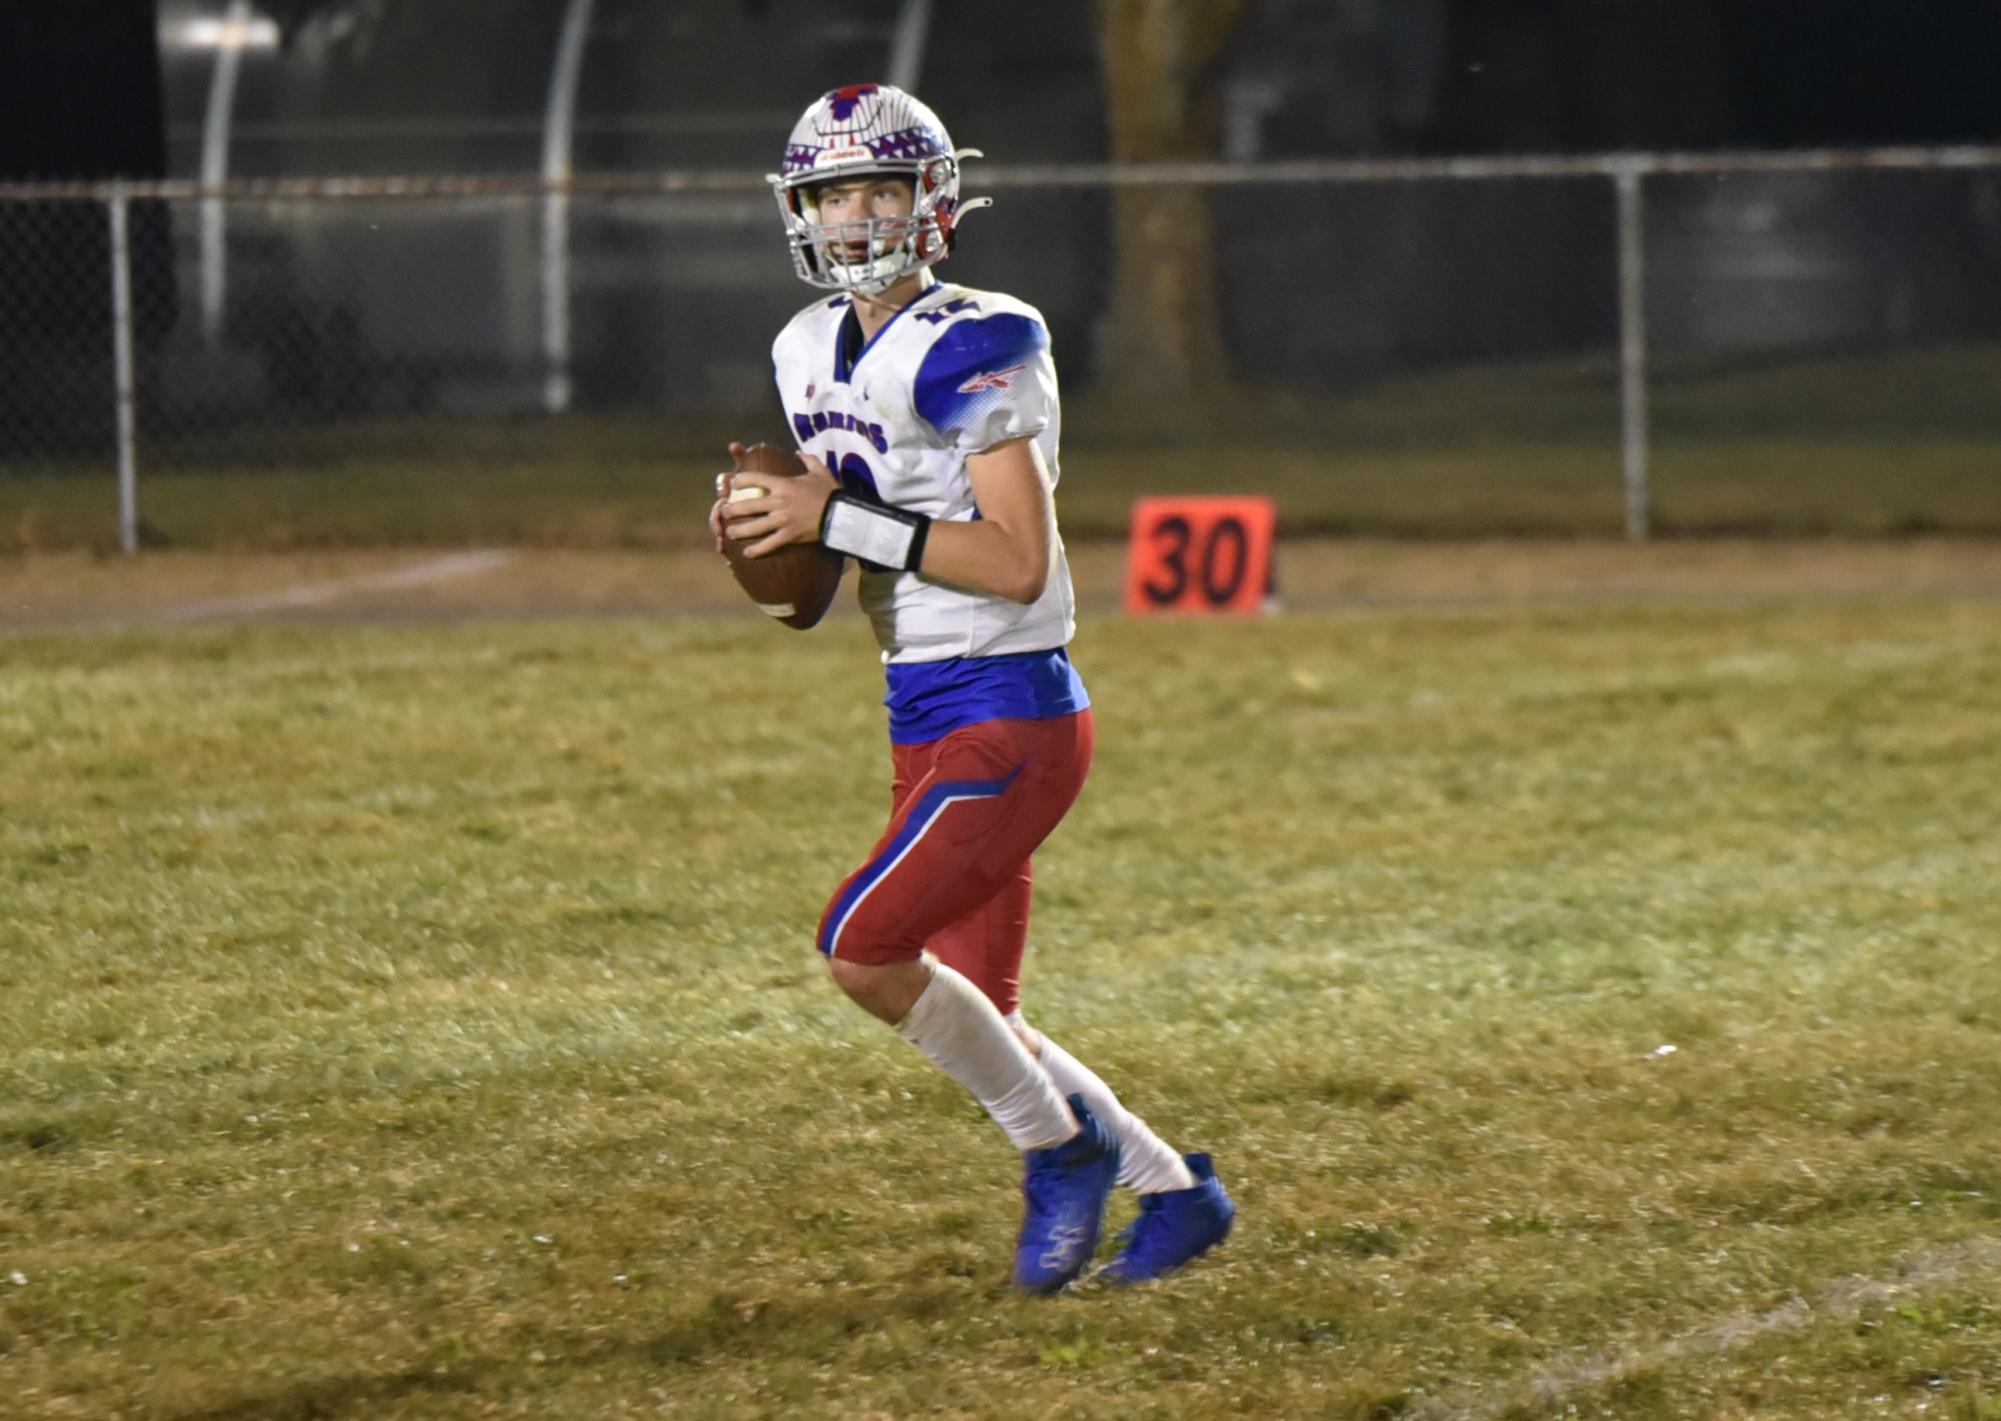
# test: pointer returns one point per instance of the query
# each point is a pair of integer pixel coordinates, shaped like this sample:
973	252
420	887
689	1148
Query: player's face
888	202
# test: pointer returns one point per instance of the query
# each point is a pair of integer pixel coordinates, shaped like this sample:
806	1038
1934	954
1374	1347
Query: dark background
81	92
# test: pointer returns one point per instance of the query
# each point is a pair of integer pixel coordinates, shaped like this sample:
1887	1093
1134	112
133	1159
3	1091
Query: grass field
1592	1003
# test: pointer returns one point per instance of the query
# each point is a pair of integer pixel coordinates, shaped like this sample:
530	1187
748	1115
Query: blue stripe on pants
915	825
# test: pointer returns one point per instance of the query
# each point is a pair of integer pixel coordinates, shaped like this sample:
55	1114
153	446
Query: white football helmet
860	131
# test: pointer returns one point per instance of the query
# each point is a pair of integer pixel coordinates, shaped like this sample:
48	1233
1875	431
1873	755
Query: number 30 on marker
1200	554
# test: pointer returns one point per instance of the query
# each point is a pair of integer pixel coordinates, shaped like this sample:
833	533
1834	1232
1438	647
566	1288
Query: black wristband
874	532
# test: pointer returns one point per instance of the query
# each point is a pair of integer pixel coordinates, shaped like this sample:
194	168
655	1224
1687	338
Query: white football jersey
953	373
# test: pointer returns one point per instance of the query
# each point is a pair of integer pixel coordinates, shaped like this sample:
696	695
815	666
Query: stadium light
251	32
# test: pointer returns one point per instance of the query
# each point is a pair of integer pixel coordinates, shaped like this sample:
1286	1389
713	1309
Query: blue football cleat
1174	1227
1065	1188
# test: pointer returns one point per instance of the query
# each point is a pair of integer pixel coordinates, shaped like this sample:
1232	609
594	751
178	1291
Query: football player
927	417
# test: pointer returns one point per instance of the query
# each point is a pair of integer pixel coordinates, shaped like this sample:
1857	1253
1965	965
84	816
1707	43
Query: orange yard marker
1200	555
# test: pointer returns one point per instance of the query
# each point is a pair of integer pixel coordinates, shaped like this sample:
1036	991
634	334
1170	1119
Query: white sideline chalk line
1842	1302
315	594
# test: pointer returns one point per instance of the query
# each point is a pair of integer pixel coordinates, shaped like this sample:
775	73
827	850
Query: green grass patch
424	1021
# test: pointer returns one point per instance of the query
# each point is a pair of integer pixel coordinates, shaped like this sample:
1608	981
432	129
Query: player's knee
887	990
851	977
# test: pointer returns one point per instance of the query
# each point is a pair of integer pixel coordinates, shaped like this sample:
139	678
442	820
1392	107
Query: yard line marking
317	594
1842	1302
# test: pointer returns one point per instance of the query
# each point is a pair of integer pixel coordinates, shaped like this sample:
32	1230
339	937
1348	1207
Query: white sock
957	1026
1149	1164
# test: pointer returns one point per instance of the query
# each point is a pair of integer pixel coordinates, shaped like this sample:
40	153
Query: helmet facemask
870	254
869	131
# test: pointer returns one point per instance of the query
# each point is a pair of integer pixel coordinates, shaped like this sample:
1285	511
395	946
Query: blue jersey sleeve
986	380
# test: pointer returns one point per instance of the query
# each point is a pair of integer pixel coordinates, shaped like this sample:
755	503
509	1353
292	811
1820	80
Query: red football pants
951	872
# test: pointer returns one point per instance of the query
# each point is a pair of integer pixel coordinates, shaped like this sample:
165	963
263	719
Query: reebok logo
991	380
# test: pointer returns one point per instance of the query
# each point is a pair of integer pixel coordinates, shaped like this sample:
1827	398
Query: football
795	584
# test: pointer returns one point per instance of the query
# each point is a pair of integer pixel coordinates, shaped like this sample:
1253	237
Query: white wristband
874	532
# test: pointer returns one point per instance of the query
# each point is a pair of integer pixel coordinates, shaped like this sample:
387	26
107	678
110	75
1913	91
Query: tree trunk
1163	336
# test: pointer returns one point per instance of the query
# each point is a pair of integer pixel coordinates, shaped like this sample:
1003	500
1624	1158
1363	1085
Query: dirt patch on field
72	590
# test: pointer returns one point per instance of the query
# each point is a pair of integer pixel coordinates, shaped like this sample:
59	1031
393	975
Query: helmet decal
842	103
910	143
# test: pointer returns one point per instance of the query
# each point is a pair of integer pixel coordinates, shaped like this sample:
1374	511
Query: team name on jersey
820	421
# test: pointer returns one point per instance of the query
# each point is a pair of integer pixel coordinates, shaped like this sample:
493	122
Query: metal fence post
121	364
1633	347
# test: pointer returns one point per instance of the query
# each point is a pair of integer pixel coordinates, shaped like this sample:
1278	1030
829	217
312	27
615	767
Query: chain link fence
1778	343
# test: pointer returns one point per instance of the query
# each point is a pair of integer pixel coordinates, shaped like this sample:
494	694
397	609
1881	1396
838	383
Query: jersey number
949	309
855	475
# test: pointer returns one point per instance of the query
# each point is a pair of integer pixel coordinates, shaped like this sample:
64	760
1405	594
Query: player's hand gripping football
787	511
